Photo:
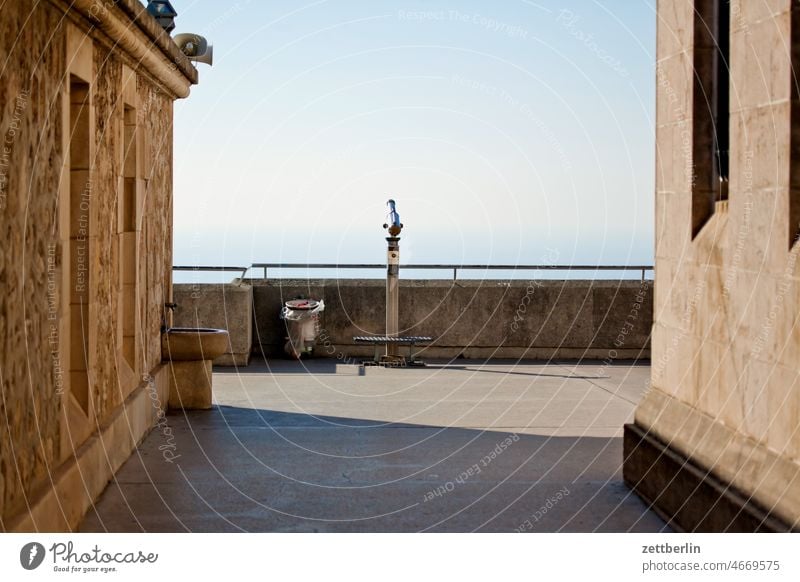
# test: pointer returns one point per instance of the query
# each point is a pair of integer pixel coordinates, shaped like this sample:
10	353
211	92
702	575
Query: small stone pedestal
189	353
190	385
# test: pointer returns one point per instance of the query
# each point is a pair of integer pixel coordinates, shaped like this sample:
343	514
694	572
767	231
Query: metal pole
394	227
392	293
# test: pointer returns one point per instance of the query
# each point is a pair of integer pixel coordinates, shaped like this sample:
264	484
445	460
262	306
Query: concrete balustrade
472	319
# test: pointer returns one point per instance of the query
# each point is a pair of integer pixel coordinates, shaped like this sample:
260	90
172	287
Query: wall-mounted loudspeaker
195	47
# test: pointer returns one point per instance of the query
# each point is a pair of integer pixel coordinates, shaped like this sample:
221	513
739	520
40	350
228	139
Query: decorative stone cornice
134	31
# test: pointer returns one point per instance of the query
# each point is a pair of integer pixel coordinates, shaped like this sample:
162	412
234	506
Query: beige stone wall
155	271
107	168
726	337
44	423
30	160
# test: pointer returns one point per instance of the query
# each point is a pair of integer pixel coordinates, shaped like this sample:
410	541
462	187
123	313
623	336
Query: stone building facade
86	95
715	445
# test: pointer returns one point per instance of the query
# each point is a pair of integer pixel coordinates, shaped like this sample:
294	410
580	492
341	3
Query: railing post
265	272
455	273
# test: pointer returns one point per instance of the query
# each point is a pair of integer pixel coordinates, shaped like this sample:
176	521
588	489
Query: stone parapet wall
473	319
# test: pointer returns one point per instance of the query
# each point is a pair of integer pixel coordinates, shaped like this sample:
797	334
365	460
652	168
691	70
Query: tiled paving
455	446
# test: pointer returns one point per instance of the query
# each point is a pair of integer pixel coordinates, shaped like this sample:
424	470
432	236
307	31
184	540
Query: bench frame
380	342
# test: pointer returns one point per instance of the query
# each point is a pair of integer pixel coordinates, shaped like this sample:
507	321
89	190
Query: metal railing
438	267
210	268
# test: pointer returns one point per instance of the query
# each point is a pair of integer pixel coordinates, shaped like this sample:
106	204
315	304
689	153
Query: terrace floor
455	446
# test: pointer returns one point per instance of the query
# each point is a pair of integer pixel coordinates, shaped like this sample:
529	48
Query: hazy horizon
501	131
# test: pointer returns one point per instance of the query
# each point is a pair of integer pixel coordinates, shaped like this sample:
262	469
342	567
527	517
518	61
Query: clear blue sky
501	129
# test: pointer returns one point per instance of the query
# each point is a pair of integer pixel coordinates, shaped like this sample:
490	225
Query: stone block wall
65	86
725	393
30	91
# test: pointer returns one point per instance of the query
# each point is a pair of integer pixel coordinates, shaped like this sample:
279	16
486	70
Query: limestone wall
474	319
726	339
53	185
30	161
156	232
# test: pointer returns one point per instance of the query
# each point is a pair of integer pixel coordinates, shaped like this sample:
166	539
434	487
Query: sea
244	249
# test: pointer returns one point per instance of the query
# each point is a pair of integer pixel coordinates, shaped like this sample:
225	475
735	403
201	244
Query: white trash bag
302	325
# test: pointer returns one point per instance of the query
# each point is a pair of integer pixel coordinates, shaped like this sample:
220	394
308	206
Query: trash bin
302	325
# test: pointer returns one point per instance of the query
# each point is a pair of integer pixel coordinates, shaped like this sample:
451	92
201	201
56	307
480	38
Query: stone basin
185	344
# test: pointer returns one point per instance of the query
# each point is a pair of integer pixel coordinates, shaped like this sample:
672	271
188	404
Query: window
80	195
711	109
794	160
721	96
128	234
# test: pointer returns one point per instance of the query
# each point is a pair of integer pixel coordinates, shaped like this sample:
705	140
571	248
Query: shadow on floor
276	366
244	469
488	370
279	366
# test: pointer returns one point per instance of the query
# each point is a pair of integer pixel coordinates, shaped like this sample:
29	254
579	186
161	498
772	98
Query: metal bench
380	341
